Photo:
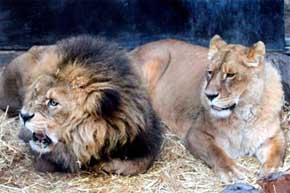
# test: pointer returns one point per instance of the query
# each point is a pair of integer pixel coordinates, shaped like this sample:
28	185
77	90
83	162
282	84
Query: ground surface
175	171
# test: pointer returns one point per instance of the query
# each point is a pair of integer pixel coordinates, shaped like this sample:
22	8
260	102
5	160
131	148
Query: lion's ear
215	44
255	55
102	102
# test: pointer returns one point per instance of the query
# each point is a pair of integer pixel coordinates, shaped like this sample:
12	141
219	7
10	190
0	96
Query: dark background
24	23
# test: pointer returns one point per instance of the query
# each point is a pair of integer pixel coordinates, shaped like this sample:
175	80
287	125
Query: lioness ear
215	44
255	55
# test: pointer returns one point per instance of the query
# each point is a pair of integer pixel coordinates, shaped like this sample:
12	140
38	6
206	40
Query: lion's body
176	78
102	115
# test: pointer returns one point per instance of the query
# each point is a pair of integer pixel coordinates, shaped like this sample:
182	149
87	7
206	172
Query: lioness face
231	71
53	107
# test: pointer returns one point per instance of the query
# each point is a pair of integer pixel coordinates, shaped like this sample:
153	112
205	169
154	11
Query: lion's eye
230	75
209	73
52	103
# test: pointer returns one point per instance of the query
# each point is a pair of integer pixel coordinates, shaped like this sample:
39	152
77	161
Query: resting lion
87	107
225	102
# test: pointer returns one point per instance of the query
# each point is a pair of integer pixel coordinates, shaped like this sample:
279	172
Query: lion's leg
203	146
271	153
126	167
153	70
60	159
153	62
43	165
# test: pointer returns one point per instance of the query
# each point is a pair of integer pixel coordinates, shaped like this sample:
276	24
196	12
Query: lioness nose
211	96
26	116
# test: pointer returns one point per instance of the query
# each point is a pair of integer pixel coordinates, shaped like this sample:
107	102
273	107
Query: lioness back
173	71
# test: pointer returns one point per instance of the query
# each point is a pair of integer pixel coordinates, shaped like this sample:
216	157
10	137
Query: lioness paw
232	174
264	171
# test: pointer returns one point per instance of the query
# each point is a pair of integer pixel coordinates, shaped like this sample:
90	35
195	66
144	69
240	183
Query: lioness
224	101
86	106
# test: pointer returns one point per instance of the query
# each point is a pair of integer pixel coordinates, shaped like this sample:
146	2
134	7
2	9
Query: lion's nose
211	96
26	116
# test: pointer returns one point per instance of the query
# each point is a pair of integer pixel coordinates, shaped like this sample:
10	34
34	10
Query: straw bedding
175	171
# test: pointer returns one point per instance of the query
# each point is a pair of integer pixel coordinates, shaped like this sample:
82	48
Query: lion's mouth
41	139
231	107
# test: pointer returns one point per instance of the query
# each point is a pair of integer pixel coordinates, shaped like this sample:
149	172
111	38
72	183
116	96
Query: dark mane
133	130
96	52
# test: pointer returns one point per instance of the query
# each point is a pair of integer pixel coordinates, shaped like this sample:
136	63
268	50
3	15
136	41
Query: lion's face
231	72
34	114
56	105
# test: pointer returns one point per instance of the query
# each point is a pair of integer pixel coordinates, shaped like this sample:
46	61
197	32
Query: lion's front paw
126	167
232	173
115	166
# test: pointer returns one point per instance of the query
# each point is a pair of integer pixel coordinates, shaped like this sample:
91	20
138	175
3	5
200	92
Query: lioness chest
242	137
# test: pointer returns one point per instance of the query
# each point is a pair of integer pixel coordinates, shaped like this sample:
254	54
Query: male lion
225	106
87	107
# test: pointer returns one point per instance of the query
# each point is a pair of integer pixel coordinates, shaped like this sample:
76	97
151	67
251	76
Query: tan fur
218	138
173	70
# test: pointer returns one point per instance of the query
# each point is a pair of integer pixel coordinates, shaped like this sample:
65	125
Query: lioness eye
52	103
230	75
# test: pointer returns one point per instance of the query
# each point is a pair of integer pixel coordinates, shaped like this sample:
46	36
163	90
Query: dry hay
175	171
